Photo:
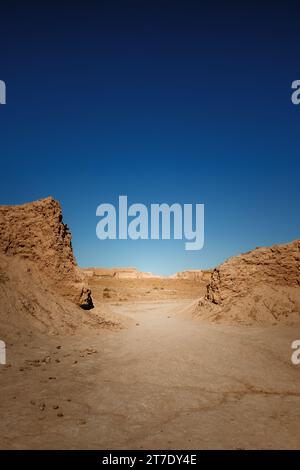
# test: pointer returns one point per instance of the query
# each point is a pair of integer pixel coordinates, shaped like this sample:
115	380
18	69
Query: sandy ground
128	290
166	382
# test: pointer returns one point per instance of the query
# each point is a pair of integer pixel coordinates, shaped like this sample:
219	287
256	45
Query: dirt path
169	382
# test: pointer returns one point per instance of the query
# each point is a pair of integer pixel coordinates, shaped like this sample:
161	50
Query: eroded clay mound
277	265
193	275
36	232
118	273
261	286
27	304
264	305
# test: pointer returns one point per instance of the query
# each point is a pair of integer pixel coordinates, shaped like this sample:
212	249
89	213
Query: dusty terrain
166	382
123	290
197	361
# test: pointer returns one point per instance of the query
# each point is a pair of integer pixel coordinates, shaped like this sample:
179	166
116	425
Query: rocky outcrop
132	273
261	286
193	275
36	232
118	273
277	265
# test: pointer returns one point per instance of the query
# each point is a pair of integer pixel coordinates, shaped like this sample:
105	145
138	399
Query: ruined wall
277	265
36	231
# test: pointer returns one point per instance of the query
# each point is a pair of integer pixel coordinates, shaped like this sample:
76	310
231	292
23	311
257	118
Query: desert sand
101	361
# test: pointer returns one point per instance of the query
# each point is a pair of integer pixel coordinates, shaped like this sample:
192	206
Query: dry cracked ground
168	381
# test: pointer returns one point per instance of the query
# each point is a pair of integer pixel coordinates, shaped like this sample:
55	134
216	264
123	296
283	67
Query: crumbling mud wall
258	287
35	231
278	265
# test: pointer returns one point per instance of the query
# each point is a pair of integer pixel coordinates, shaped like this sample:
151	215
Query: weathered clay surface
36	232
258	287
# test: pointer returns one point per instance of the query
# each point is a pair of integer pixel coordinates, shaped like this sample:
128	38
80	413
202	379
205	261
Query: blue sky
163	101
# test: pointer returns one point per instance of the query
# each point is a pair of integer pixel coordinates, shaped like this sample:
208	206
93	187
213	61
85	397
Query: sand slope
28	304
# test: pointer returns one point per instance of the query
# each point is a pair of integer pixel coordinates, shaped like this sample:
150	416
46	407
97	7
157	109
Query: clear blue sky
165	101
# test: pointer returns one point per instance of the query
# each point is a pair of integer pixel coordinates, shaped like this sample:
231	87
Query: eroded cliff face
36	232
193	275
258	287
278	265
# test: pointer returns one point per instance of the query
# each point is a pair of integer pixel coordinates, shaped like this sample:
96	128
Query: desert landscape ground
117	359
